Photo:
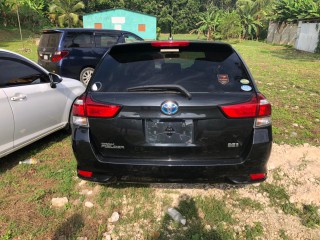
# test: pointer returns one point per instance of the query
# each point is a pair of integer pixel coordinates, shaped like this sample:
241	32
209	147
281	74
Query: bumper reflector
257	176
84	173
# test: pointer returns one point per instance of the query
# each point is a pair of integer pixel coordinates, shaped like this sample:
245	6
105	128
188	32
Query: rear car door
37	108
6	122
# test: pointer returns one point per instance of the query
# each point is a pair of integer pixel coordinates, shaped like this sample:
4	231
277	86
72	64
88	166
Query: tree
251	17
66	11
5	10
208	23
292	10
230	25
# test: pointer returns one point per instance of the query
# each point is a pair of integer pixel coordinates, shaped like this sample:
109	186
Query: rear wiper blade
168	87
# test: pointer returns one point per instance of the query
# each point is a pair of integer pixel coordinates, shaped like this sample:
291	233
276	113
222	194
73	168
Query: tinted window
17	73
105	40
50	39
131	38
78	40
198	70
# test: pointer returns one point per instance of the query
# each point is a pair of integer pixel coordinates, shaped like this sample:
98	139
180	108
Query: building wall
308	36
282	33
303	36
140	24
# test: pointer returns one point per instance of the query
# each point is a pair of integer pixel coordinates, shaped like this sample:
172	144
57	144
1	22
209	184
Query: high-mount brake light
57	56
170	44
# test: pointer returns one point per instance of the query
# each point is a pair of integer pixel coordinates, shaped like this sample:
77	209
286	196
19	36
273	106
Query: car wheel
86	75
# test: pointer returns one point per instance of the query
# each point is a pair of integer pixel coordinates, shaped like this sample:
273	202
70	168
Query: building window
98	25
141	27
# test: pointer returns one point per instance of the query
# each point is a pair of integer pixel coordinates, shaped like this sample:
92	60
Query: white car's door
37	108
6	124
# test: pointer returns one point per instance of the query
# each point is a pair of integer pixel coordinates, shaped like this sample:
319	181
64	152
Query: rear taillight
85	107
57	56
170	44
94	109
258	107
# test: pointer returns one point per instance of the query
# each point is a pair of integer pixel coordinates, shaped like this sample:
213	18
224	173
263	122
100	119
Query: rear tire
86	75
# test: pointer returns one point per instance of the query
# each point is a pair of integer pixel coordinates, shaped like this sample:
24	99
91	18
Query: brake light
257	176
84	107
84	173
57	56
170	44
258	106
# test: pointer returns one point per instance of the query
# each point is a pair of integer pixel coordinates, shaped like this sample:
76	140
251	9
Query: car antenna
170	33
170	27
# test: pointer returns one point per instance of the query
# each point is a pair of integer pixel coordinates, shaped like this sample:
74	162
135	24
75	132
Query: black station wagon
172	111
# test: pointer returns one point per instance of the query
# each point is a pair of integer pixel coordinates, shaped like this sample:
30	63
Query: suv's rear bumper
132	170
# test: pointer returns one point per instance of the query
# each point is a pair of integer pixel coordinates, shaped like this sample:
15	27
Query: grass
253	232
279	197
248	203
26	190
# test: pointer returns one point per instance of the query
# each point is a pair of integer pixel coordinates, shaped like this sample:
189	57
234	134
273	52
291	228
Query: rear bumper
129	170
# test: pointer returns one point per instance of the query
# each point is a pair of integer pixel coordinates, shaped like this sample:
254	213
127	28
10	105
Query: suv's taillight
57	56
85	107
258	107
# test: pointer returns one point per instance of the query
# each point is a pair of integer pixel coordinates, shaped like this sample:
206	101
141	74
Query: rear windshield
198	69
50	40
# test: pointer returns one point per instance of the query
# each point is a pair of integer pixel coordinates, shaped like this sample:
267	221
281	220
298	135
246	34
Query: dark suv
171	111
74	53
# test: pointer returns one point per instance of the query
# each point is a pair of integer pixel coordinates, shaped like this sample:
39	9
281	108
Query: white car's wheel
86	75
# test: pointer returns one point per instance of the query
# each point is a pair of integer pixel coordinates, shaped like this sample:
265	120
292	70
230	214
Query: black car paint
175	163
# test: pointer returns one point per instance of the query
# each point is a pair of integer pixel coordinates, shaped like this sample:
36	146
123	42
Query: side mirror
54	80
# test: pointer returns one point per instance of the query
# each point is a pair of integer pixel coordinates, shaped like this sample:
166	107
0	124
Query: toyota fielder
172	111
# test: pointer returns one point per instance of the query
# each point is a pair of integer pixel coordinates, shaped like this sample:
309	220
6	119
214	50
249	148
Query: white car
33	102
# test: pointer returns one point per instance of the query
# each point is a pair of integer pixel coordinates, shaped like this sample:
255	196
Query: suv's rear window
197	69
50	40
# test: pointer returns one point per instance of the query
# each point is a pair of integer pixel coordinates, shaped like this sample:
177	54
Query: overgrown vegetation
289	80
292	10
246	19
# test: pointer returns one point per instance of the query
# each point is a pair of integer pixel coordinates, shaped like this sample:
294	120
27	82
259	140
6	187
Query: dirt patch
295	168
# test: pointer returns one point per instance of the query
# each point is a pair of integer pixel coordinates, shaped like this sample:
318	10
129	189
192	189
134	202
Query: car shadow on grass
69	228
11	160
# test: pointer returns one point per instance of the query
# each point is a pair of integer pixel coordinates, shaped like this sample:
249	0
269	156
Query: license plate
164	131
45	57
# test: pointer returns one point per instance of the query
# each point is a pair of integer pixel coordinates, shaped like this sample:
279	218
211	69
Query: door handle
19	98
